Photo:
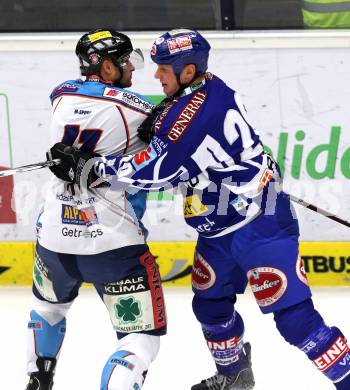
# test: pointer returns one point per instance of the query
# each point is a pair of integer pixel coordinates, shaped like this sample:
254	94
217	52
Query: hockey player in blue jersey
201	140
84	237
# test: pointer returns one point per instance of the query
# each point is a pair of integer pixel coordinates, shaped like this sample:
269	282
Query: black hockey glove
145	131
72	163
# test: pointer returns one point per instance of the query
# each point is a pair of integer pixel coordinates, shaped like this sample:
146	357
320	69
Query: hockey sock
329	351
225	342
47	338
123	371
295	323
127	367
223	330
302	326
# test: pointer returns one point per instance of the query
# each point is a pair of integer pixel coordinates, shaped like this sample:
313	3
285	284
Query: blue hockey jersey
205	144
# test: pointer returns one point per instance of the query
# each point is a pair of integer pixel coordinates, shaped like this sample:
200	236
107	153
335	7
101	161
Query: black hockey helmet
94	46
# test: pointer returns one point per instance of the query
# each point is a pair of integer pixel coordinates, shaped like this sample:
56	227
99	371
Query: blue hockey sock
225	342
48	338
329	351
295	323
302	326
223	330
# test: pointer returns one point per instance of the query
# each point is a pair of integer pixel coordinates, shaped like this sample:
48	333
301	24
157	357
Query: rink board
326	263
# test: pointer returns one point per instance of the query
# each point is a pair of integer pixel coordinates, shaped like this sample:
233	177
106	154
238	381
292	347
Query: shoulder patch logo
186	116
64	88
129	99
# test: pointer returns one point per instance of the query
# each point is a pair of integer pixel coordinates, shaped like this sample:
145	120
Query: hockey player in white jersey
85	237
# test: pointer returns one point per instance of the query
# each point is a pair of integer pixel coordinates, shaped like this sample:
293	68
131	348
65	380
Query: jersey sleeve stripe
57	104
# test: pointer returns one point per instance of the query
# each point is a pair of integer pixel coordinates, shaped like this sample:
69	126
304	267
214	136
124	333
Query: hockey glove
72	164
146	131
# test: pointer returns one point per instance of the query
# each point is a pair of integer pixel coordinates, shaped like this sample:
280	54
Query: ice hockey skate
42	379
243	380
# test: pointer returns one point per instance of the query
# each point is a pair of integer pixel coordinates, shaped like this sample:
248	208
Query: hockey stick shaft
318	210
30	167
46	164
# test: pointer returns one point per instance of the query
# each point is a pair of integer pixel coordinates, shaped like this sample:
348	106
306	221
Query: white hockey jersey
93	116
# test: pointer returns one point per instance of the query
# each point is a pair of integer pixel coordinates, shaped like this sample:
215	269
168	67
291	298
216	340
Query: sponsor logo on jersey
128	98
77	233
268	284
203	275
73	216
144	157
265	178
179	44
155	287
300	270
239	203
332	355
205	227
112	93
82	112
125	286
193	207
65	198
159	144
158	123
186	116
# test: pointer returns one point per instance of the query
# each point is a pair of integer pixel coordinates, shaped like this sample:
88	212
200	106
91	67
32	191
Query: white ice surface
183	359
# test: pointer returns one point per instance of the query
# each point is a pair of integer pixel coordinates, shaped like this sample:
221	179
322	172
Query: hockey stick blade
30	167
318	210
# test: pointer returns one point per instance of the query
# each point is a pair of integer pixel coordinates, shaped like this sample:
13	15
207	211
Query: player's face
166	76
128	68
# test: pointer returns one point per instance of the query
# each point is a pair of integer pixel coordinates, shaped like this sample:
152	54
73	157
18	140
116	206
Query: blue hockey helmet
181	47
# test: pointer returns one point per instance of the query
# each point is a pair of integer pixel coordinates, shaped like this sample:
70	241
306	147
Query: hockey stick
45	164
319	210
31	167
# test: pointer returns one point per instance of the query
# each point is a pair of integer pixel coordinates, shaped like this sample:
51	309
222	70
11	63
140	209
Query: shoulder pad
70	86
